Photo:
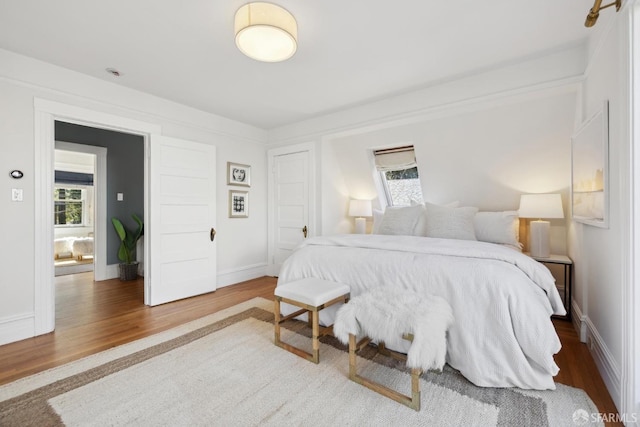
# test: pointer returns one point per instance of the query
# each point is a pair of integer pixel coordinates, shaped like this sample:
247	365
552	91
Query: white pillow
450	223
421	226
400	221
498	227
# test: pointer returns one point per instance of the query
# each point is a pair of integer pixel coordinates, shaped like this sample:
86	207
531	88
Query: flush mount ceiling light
266	32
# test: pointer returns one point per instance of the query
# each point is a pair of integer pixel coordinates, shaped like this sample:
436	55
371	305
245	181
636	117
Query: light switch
120	197
16	194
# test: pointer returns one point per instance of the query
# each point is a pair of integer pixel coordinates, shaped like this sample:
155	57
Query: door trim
309	147
45	114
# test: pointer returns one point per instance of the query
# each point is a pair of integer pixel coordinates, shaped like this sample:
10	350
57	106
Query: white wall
602	256
242	244
486	158
506	130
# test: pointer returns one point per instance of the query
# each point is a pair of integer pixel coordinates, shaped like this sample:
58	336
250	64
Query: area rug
223	370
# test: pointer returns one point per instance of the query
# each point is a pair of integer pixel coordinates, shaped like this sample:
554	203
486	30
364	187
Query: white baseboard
73	269
16	328
579	321
111	272
607	366
242	274
609	370
224	278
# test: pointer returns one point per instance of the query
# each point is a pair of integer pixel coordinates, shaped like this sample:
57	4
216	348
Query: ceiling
350	52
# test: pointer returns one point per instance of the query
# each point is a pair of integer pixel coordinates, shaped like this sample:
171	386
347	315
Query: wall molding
244	132
579	321
605	361
16	328
631	294
444	109
233	276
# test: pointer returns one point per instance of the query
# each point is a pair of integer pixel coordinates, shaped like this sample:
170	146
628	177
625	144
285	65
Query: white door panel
182	212
291	204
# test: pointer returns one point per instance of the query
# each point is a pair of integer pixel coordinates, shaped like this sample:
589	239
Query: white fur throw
384	314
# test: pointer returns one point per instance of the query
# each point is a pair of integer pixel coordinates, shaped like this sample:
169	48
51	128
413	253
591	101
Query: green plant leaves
128	239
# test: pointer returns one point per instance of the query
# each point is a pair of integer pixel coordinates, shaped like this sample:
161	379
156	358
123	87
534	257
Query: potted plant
128	268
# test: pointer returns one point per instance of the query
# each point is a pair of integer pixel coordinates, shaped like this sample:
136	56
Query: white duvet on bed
502	300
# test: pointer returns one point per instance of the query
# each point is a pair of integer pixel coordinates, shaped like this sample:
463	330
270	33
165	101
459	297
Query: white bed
502	300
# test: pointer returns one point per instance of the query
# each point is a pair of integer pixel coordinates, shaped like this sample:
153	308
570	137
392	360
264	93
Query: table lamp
540	206
360	209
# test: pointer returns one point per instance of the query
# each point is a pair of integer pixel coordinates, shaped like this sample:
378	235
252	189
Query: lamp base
361	226
539	245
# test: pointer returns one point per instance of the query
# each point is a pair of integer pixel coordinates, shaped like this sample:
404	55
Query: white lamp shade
266	32
360	208
541	206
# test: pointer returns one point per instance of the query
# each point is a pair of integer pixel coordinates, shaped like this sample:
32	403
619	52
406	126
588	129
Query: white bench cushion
311	291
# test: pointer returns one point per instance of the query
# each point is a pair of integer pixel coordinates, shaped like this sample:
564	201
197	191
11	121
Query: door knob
212	234
304	231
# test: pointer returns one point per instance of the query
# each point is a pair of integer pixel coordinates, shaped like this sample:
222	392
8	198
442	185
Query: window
399	175
68	206
73	199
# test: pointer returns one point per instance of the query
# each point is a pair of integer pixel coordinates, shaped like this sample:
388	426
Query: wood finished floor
95	316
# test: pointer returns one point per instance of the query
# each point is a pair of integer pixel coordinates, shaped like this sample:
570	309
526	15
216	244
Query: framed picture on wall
238	174
589	170
238	204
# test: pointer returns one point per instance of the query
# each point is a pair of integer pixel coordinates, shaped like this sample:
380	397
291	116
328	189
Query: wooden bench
388	315
311	295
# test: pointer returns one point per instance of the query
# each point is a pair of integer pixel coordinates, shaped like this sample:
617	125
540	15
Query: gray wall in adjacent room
125	174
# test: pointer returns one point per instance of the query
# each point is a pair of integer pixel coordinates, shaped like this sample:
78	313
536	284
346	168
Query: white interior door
182	212
290	205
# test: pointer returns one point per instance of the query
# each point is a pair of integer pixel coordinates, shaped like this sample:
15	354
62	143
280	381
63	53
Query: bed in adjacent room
502	300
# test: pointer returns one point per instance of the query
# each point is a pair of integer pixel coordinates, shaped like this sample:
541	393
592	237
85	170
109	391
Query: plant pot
128	271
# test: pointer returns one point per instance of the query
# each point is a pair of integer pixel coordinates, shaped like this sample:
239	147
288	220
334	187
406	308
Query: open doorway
99	174
74	196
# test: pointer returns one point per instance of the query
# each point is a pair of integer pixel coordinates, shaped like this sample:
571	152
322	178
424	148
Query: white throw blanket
501	299
385	314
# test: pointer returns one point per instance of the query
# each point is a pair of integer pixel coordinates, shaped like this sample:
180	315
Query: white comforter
502	300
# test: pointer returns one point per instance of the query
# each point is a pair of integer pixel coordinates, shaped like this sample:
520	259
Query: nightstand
564	263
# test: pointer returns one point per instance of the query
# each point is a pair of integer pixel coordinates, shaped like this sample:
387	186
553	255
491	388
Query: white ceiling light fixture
266	32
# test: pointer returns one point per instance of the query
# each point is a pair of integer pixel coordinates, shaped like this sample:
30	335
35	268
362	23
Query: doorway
119	184
47	114
178	188
79	208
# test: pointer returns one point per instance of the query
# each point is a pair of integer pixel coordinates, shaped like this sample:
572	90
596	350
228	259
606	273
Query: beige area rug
223	370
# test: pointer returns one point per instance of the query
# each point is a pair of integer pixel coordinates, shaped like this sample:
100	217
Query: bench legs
412	402
314	323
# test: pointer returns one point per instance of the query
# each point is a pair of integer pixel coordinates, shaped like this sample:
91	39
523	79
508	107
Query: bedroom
537	85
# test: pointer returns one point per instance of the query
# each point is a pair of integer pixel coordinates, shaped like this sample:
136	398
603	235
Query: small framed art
238	204
238	174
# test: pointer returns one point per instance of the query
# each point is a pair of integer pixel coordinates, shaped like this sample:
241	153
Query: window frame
82	201
380	179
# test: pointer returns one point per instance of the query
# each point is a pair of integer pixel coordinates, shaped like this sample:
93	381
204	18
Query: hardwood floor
94	316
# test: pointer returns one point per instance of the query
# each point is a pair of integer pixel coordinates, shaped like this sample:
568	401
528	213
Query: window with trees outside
399	175
69	206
